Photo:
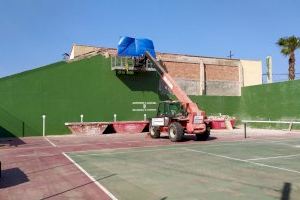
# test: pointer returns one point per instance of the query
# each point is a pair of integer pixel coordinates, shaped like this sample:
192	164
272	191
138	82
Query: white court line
172	146
121	152
99	143
222	143
75	145
219	143
121	148
50	142
274	157
91	178
283	143
216	144
241	160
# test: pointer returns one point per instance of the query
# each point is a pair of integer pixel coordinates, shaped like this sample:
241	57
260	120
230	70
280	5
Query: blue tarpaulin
134	47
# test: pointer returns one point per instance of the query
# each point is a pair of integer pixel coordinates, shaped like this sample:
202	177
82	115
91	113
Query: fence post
44	124
245	129
291	125
81	118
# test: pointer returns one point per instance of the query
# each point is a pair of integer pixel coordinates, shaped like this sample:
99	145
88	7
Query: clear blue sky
37	32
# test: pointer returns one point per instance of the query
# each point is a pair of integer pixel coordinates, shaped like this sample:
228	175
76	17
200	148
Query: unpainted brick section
217	72
223	88
191	87
189	71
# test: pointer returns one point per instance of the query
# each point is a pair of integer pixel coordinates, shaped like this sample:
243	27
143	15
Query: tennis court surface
232	170
264	166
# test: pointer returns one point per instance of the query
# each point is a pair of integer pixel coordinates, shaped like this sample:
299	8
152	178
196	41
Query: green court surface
258	169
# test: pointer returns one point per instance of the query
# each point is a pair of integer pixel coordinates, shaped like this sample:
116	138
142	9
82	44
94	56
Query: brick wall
220	76
219	79
191	71
188	71
224	73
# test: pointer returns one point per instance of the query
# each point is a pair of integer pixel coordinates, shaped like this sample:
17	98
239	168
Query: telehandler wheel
203	136
175	132
154	131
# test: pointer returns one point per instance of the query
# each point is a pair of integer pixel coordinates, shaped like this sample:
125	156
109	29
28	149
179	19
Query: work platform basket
130	65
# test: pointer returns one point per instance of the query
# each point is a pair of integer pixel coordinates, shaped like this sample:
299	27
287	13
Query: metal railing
128	64
121	63
269	122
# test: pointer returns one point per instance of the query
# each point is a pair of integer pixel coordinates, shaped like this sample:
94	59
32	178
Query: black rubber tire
203	136
154	132
175	132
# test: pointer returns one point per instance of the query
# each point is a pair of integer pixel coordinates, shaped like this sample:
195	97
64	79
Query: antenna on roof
230	54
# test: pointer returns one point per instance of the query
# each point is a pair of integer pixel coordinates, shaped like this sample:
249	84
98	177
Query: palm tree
288	46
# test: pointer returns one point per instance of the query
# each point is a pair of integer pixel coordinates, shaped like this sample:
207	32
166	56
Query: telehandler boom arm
183	98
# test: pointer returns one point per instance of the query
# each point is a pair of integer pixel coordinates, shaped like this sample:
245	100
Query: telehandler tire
203	136
175	132
154	132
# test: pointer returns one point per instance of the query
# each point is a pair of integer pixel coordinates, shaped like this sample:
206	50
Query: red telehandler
177	117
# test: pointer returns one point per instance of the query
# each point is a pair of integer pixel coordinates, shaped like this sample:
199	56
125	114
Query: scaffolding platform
130	65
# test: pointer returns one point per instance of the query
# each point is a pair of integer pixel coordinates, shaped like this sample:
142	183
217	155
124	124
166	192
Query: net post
245	130
290	126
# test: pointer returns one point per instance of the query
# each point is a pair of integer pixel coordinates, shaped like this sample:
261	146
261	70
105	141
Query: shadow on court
286	190
79	186
12	177
187	138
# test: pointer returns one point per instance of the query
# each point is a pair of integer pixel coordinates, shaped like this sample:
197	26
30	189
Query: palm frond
288	44
285	51
282	41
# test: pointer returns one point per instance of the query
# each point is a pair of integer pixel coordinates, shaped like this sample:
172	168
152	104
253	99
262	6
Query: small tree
288	46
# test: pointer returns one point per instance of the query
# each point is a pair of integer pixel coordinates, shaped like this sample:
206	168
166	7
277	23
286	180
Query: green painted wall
277	101
62	91
213	105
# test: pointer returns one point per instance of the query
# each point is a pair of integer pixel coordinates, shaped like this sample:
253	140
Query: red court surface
36	168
